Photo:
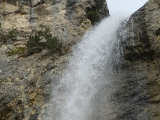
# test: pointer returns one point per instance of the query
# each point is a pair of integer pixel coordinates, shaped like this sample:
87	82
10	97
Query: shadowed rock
139	93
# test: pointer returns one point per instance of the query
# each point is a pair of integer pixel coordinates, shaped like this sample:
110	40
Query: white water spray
88	71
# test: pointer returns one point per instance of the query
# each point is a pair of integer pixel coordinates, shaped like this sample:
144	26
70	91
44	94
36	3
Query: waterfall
87	76
32	12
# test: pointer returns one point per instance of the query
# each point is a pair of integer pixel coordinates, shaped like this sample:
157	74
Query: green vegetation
12	34
19	50
43	39
8	35
93	16
38	40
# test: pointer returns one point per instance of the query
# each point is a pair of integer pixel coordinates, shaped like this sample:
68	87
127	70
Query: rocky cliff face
139	95
25	81
67	18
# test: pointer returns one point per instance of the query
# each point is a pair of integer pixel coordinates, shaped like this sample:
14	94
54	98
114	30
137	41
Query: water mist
88	74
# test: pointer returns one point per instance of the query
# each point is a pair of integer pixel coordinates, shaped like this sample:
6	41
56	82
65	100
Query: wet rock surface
138	95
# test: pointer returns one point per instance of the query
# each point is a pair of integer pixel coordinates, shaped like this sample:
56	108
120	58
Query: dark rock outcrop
139	94
102	8
143	35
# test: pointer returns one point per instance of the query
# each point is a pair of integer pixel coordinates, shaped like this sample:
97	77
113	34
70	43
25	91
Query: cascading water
88	75
32	12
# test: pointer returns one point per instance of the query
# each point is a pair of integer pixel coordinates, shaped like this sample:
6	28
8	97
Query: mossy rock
19	50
